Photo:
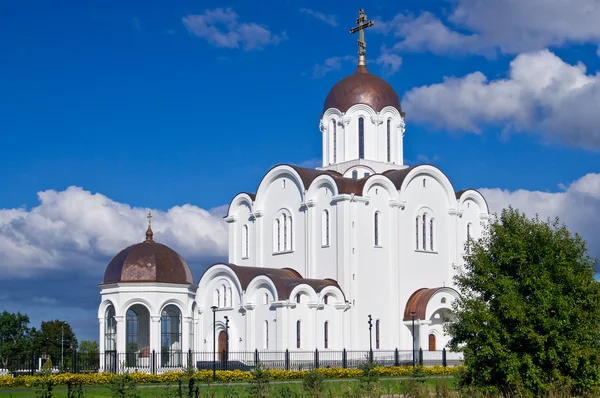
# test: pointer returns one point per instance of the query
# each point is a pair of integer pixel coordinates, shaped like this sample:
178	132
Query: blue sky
108	109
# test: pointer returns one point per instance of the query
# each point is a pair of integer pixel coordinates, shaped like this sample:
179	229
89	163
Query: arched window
376	225
298	298
285	230
298	329
361	138
424	231
377	345
417	233
266	335
468	231
110	340
245	241
217	298
266	299
137	335
431	234
170	336
443	300
334	141
326	335
224	296
325	228
277	236
290	234
326	299
389	140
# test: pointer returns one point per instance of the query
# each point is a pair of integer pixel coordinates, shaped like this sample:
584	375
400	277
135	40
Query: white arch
436	305
177	303
103	307
273	174
130	303
392	110
435	173
475	196
306	289
261	281
214	274
240	199
334	292
324	180
331	112
358	110
381	181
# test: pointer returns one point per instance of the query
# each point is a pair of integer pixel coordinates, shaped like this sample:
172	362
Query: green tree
88	347
14	336
57	339
529	315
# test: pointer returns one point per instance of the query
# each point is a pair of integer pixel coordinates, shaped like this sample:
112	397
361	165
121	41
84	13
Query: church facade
313	253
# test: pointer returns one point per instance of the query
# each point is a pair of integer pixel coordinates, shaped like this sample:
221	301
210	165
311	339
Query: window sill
285	252
324	246
245	258
378	246
223	309
426	251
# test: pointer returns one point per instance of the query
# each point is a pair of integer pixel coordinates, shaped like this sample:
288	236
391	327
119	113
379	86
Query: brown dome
148	262
362	87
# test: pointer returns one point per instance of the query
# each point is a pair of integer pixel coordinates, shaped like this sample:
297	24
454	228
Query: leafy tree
88	347
48	341
529	315
14	336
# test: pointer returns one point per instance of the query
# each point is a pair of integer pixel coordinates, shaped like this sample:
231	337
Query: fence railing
160	362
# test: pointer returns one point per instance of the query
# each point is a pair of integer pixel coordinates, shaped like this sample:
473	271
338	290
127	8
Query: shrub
123	385
313	383
259	385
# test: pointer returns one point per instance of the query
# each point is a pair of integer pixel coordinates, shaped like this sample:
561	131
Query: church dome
148	261
362	87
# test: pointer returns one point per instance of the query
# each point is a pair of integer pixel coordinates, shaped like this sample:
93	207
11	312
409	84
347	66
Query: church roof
148	261
284	279
362	87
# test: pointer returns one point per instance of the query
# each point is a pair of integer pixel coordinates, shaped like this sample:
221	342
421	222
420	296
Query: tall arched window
266	335
334	141
266	299
245	241
417	233
325	228
298	330
377	345
290	234
361	138
110	340
424	231
468	231
137	336
326	335
431	234
224	296
285	231
170	336
389	140
376	226
277	236
217	298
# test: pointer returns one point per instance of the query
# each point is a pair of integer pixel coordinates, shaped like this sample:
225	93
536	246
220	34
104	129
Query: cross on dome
149	233
362	23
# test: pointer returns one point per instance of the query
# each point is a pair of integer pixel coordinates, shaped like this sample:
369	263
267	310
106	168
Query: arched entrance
222	347
432	342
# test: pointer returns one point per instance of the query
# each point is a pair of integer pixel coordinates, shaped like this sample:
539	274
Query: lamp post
370	339
62	346
214	310
412	314
226	340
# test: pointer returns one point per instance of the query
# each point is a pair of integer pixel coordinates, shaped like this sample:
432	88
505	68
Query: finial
362	23
149	233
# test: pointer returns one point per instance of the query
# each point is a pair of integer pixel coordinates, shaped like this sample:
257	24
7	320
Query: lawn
331	388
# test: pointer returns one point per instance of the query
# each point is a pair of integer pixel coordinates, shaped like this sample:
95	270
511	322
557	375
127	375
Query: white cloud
221	28
576	206
75	229
330	64
328	19
390	63
510	26
542	94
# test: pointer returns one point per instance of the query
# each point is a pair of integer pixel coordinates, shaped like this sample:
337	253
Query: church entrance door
223	346
432	342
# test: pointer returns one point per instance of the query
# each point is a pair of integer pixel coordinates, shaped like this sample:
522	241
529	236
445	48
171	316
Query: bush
313	383
259	385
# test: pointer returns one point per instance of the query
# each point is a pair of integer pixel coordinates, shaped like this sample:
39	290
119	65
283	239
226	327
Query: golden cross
362	23
149	216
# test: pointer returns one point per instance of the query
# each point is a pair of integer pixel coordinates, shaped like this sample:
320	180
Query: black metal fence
160	362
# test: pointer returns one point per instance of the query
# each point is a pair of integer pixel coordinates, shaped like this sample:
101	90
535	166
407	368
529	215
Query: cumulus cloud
328	19
510	26
575	206
389	62
330	64
77	230
222	28
542	94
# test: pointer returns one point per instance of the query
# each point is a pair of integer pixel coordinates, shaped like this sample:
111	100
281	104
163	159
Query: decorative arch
436	174
426	229
131	302
378	180
261	281
177	303
333	293
331	112
213	274
272	175
425	302
323	180
304	289
474	195
358	110
103	306
242	198
390	109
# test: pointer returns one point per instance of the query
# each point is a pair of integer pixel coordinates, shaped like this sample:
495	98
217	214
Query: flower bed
223	376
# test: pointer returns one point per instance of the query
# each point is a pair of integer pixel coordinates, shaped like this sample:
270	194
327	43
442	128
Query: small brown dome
148	262
362	87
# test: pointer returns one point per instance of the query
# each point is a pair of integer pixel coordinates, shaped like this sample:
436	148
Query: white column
185	333
101	337
399	157
259	238
344	144
155	334
325	142
250	330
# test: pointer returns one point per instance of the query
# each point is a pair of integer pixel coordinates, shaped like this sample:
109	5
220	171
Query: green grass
332	388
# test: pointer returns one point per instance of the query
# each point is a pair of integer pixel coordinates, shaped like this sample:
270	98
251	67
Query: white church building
312	252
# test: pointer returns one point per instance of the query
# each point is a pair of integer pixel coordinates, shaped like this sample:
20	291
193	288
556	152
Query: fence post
189	359
371	356
444	360
420	356
153	369
344	359
396	358
287	359
255	357
316	358
32	363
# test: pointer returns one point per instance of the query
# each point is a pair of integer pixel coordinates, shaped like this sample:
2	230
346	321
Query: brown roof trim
417	303
284	279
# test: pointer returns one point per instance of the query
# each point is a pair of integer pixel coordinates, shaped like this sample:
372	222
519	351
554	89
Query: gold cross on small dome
362	23
149	217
